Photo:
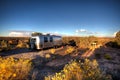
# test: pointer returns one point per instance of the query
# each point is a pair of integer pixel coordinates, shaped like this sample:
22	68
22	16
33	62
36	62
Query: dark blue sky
70	17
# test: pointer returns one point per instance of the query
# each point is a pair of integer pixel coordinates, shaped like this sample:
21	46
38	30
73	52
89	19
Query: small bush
98	55
107	56
0	49
112	44
117	38
14	69
22	44
71	71
47	56
75	70
69	50
4	45
52	51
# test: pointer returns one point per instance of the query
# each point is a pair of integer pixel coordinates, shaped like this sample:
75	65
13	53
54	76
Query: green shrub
107	56
98	55
117	37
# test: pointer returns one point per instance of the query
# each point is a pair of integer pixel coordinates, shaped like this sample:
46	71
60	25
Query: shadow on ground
45	66
109	60
18	51
48	66
15	51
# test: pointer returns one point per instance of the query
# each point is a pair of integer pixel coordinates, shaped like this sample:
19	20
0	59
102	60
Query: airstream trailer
45	41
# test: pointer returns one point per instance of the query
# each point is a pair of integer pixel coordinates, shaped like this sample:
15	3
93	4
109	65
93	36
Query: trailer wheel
55	47
32	46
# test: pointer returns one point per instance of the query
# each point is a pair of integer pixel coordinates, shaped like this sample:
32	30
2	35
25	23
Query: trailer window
51	39
45	39
33	40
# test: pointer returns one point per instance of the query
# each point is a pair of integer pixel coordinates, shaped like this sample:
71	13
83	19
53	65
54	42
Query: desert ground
46	64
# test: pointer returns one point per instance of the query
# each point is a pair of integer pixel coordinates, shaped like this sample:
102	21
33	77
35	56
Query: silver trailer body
45	41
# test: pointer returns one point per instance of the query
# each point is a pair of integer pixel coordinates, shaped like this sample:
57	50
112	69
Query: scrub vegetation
63	63
14	69
77	70
9	43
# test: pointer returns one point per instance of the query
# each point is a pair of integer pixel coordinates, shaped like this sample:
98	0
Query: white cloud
93	33
80	30
56	33
114	34
90	32
86	32
20	33
97	33
77	31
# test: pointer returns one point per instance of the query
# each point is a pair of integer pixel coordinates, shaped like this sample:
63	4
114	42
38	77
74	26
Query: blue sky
66	17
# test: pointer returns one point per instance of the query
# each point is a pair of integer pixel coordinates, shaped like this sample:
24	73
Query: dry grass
47	55
80	71
4	45
69	50
85	42
14	69
52	51
22	44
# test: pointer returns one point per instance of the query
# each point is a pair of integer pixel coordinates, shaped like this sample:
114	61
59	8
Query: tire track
88	53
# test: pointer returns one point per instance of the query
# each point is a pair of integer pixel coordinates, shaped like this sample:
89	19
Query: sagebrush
14	69
75	70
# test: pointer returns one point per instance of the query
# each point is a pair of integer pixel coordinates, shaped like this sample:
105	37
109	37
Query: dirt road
26	53
88	53
44	63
